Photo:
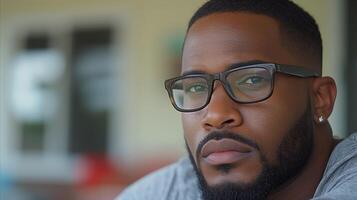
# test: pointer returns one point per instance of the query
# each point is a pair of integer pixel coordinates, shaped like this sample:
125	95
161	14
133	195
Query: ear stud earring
321	119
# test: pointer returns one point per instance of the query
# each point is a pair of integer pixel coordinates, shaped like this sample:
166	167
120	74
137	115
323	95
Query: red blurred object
97	169
99	178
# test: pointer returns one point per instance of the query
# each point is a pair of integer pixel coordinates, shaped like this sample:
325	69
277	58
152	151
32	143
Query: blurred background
83	108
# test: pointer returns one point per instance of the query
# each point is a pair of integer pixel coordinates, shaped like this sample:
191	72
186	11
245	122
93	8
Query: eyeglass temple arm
296	71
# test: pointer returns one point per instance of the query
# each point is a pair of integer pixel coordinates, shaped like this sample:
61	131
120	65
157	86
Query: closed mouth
224	151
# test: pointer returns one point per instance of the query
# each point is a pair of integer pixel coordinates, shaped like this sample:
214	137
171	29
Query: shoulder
340	177
176	181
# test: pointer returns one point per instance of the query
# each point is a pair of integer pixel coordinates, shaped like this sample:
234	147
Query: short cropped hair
298	28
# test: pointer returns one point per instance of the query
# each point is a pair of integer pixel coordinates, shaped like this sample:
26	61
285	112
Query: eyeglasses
244	84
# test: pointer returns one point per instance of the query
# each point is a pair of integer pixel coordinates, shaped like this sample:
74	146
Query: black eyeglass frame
222	77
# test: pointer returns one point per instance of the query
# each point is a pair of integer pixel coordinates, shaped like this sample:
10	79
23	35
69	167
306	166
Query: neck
303	186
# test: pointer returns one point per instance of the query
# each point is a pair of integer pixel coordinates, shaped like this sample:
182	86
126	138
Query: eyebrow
231	66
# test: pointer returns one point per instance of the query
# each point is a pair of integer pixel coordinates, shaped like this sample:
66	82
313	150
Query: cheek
267	130
191	126
270	121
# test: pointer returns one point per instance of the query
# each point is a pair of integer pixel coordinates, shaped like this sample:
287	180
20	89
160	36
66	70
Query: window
91	90
36	74
63	94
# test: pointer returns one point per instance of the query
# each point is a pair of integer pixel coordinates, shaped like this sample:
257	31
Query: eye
253	80
196	88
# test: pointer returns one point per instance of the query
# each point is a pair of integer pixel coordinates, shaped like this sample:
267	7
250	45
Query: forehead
216	41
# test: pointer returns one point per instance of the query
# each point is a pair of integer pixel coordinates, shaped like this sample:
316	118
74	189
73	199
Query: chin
230	174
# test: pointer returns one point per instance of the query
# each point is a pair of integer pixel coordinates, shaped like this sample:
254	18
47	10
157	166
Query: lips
224	151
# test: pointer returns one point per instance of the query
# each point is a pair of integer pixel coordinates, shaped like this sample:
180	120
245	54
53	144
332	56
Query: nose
221	112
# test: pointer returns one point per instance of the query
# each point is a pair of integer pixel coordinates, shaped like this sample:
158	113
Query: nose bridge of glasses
221	77
217	77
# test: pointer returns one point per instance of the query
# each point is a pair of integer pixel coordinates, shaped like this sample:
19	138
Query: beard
293	154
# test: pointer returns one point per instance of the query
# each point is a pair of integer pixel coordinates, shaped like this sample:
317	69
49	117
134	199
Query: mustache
218	135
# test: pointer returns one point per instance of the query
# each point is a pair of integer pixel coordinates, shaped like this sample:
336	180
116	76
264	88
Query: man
254	110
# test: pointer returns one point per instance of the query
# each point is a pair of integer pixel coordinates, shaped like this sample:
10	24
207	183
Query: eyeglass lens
243	85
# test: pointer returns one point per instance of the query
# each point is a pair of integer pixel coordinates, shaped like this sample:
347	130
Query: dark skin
217	41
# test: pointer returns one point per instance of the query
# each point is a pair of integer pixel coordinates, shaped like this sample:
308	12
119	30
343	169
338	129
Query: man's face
245	146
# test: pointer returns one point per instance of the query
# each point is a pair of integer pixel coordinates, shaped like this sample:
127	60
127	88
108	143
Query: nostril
208	125
227	123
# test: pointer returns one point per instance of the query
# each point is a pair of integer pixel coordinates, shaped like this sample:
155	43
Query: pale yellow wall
148	122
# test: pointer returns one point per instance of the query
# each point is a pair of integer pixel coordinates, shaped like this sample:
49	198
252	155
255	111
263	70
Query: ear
324	94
